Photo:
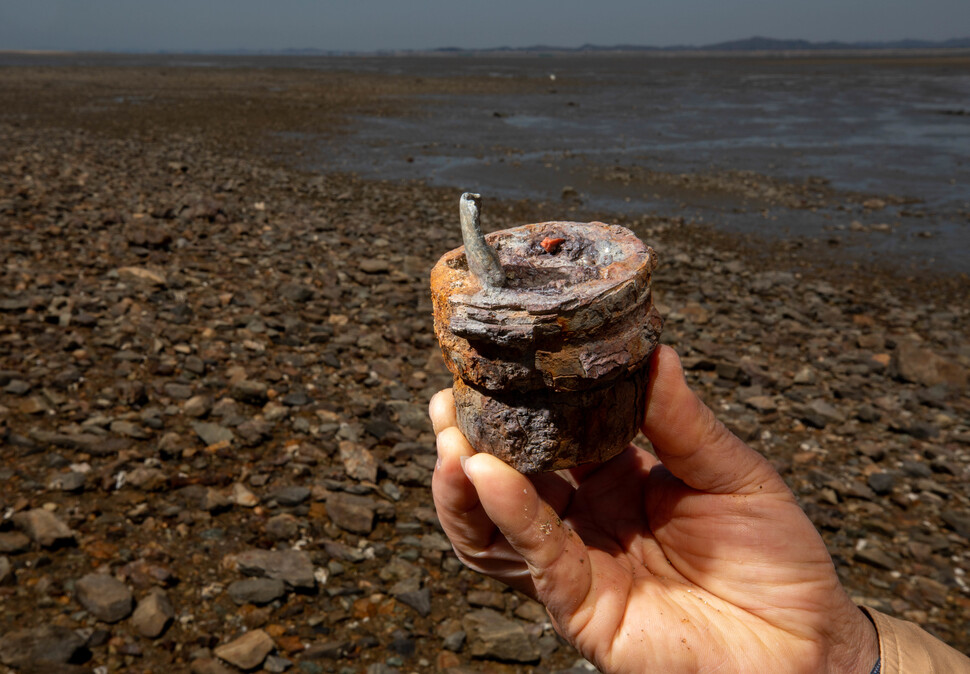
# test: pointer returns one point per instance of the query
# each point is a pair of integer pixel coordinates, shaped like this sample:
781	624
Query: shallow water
876	128
882	126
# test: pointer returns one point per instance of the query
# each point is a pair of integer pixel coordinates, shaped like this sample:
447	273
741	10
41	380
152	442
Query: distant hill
771	44
751	44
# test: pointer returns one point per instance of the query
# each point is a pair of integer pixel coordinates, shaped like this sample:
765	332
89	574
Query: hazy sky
419	24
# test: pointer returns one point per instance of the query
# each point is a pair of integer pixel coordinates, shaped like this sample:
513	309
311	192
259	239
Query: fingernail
463	459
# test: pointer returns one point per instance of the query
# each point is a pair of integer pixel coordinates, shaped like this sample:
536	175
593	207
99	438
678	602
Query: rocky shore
214	372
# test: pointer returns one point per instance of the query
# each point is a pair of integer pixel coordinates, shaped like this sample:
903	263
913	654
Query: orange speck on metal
551	245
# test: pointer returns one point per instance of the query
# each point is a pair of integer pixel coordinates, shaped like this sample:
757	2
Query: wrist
856	649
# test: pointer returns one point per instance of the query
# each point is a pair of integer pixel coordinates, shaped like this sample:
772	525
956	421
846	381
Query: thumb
555	555
691	442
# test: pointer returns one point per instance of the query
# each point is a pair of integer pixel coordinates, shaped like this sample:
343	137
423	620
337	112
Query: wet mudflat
215	365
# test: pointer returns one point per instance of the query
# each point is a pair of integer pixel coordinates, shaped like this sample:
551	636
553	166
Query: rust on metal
551	245
551	366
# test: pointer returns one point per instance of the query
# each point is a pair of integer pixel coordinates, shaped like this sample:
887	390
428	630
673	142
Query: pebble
293	567
819	414
256	591
325	649
492	636
197	406
153	614
291	496
248	651
876	557
913	363
206	665
44	528
283	526
212	434
352	512
13	542
141	275
70	481
244	497
359	463
104	596
252	392
410	593
276	665
40	648
882	483
7	575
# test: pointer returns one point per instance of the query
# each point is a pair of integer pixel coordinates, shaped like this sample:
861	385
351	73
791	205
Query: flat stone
325	649
295	292
532	611
85	442
419	600
146	478
291	496
352	512
454	641
297	398
178	391
359	463
40	647
374	265
248	651
493	637
209	666
33	405
7	576
243	497
44	528
17	387
882	483
876	558
958	521
257	591
819	414
72	481
487	599
913	363
130	429
283	527
293	567
763	404
197	406
13	542
142	275
215	500
105	597
276	665
252	392
212	434
153	615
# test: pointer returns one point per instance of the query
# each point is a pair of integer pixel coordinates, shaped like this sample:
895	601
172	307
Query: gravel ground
214	372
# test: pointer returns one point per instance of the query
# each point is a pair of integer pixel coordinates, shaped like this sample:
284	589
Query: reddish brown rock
550	366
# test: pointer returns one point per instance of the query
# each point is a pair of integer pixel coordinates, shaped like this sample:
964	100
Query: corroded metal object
550	350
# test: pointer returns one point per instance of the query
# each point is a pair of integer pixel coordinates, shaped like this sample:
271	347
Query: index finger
441	409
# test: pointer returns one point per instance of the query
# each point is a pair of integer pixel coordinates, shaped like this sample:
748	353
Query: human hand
697	559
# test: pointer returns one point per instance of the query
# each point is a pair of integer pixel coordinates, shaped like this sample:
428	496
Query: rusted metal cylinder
550	367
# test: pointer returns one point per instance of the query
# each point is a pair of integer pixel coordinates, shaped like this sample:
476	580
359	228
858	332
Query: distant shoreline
755	46
954	56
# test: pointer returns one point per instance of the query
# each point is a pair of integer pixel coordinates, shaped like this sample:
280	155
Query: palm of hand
674	570
716	569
